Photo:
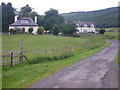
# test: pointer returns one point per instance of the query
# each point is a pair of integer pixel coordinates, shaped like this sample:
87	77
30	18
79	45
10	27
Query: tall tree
51	18
7	16
11	14
69	28
24	12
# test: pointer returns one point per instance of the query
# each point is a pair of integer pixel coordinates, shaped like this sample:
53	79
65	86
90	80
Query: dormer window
25	21
85	25
22	21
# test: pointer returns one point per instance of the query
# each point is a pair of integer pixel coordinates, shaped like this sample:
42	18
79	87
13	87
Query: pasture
46	54
112	33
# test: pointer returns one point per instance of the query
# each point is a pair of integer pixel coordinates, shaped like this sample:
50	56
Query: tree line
51	21
105	18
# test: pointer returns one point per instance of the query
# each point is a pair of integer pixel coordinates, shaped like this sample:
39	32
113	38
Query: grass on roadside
118	59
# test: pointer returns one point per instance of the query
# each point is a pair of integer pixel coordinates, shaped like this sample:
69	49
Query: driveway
97	71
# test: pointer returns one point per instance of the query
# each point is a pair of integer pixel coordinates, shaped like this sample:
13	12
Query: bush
50	31
12	31
15	31
75	35
40	30
55	29
30	30
102	31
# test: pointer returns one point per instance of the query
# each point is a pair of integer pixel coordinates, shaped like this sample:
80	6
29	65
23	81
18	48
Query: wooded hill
102	18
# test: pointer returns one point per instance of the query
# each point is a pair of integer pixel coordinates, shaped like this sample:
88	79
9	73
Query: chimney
36	19
16	17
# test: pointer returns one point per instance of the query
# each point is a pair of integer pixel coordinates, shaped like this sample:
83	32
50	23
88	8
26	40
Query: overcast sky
64	6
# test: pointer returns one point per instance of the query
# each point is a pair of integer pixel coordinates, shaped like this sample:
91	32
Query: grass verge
118	59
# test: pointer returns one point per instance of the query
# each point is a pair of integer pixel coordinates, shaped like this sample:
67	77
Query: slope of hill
102	18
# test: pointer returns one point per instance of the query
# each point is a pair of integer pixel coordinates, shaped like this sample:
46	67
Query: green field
67	51
112	33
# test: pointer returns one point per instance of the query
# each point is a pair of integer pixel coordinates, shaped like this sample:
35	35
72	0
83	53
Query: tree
8	16
102	31
40	20
32	14
40	30
30	30
51	18
24	12
11	14
68	28
55	29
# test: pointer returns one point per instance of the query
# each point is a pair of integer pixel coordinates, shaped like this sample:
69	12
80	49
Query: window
22	21
85	25
25	21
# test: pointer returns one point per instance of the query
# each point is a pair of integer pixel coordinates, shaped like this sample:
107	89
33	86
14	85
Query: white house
24	24
84	27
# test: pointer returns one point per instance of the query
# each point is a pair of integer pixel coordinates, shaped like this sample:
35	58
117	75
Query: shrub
55	29
102	31
30	30
40	30
50	31
13	31
75	35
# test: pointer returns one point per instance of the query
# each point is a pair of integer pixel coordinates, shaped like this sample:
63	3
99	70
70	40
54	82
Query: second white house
84	27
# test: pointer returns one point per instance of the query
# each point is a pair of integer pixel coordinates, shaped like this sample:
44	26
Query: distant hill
102	18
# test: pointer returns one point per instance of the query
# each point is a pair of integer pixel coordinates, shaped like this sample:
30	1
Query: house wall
26	28
85	29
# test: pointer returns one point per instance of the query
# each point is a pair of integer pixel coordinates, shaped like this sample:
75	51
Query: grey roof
18	22
82	23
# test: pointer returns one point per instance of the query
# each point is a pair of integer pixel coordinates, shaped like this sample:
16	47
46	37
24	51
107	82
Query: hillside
102	18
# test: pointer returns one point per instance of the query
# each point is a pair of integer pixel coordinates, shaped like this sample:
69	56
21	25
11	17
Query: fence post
35	51
21	52
45	50
52	52
11	59
65	46
57	50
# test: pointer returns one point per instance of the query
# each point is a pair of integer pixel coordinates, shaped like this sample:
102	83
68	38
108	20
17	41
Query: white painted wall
26	28
88	29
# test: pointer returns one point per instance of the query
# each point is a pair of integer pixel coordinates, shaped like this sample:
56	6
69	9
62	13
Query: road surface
97	71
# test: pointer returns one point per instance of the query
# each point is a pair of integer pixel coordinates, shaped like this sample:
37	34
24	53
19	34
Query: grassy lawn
24	75
112	33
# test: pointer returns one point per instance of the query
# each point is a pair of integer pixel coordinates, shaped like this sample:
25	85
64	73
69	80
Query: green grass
35	45
112	33
118	59
111	29
24	75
